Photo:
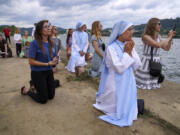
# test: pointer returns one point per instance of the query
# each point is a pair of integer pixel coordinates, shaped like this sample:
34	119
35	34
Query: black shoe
161	78
57	83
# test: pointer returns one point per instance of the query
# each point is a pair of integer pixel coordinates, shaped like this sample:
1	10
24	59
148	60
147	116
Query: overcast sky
66	13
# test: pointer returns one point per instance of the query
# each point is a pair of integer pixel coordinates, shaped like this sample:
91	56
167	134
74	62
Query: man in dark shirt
7	34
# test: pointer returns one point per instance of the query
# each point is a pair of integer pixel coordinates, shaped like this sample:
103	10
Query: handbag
21	54
103	47
155	67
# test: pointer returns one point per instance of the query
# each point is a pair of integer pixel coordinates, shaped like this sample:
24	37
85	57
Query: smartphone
174	27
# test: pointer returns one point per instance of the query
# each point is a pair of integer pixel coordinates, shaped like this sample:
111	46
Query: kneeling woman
41	61
117	95
80	42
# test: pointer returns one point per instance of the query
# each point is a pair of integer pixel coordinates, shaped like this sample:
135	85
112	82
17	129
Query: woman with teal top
26	42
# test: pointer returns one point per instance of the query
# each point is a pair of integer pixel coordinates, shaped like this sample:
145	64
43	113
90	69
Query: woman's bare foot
24	90
79	70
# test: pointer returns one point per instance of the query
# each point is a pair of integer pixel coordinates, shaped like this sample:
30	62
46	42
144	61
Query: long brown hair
38	37
68	35
95	31
150	27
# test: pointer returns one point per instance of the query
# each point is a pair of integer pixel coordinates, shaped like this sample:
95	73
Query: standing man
7	32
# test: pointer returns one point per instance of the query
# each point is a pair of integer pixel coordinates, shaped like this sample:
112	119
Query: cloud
67	4
66	13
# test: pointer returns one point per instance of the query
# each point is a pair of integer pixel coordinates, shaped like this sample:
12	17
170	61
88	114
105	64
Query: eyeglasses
47	26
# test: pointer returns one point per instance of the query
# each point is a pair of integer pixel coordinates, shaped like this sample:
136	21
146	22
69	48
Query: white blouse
17	37
74	45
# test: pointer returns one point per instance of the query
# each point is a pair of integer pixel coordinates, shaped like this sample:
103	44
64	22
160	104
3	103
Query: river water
170	59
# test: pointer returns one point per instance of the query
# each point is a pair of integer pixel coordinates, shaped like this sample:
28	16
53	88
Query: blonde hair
151	27
95	31
18	30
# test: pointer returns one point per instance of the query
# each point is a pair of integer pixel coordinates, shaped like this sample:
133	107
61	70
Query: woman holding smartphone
152	41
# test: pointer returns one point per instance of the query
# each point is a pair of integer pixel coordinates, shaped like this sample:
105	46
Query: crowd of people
113	63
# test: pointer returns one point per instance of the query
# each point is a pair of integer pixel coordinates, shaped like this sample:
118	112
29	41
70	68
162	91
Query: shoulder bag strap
152	53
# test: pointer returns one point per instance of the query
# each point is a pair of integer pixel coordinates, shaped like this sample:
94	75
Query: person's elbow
157	45
30	61
166	48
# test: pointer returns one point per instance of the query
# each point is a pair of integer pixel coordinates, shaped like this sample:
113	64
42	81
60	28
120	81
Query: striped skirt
143	78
